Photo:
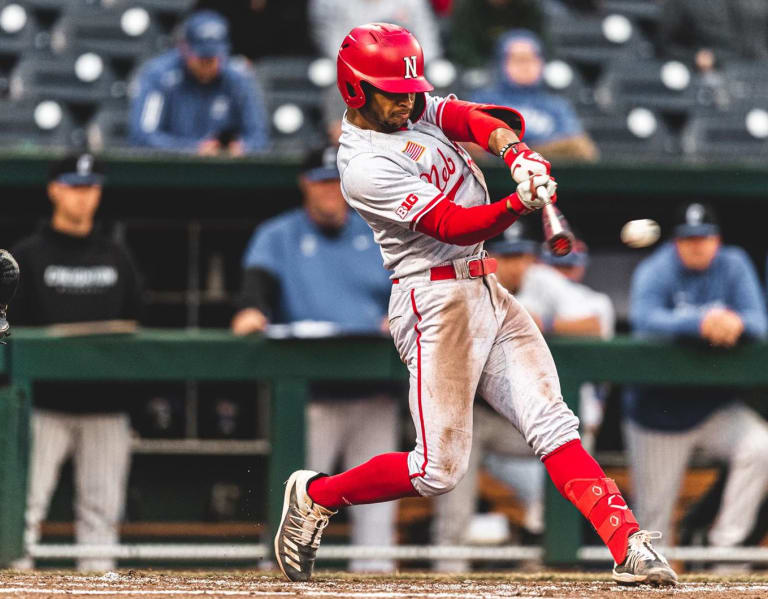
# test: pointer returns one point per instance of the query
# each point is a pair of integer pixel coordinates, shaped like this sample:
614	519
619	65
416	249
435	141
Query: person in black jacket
73	273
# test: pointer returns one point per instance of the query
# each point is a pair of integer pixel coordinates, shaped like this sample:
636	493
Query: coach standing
73	273
694	288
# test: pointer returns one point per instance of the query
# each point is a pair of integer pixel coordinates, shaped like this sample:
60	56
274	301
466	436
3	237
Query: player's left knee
548	434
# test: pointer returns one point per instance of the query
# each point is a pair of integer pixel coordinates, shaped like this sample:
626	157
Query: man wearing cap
320	263
74	273
195	99
694	288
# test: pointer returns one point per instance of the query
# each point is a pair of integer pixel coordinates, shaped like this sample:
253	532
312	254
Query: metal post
562	535
289	398
14	462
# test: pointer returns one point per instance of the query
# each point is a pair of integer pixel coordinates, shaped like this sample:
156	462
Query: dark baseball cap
320	165
76	170
206	33
517	239
696	220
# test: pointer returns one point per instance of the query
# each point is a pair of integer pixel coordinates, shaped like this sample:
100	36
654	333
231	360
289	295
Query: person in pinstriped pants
73	273
695	288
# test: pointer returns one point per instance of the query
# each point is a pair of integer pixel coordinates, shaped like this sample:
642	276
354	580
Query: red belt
477	267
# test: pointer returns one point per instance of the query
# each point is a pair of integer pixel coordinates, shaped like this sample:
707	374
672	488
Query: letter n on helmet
386	56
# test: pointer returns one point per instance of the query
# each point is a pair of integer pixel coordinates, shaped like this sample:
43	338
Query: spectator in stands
331	20
551	124
320	263
695	289
195	99
476	27
559	305
74	273
708	34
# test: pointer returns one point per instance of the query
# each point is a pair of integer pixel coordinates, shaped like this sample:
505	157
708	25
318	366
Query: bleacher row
66	67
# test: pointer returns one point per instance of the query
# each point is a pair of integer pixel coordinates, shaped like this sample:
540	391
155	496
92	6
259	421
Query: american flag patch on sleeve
413	150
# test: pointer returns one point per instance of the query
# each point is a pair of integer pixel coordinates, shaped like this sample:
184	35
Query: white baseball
640	233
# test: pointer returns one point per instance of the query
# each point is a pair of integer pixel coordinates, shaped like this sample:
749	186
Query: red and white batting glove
533	194
524	163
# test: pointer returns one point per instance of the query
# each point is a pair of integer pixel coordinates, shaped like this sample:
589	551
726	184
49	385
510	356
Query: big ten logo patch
404	208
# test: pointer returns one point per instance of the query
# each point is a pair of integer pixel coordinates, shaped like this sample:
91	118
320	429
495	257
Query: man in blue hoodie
694	288
194	99
551	125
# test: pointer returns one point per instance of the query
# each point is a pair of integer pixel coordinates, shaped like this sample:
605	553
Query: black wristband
507	147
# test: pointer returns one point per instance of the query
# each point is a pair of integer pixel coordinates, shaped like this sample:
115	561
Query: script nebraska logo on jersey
414	150
404	208
410	67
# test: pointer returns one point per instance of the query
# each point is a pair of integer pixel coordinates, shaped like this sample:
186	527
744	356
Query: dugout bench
289	365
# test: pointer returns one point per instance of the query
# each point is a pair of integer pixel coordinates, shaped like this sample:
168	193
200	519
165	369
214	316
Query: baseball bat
9	281
557	232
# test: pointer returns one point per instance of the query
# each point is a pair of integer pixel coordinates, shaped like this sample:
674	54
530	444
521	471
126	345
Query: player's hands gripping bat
536	192
9	281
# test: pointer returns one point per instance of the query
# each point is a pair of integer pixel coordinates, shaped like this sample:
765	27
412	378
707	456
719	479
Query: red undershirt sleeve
450	223
467	121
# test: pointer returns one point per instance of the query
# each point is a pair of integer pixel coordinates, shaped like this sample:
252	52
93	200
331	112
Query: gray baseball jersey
393	179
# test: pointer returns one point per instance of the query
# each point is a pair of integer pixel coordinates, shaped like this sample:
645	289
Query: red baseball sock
581	480
382	478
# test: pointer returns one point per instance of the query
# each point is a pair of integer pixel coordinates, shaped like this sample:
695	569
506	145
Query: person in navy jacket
195	99
696	289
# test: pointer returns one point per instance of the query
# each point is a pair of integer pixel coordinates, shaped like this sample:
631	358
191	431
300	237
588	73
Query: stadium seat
19	127
108	33
294	129
19	32
65	79
746	82
286	80
108	130
647	83
635	135
175	7
582	40
737	136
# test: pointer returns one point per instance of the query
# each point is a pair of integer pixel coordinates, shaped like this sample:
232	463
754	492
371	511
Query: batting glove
524	162
534	193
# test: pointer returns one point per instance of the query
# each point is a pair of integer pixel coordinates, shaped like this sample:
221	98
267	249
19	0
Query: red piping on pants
418	383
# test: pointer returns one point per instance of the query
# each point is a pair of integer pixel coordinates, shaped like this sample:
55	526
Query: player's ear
53	192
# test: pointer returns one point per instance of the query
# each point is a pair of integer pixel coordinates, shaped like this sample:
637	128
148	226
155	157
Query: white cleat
643	563
301	527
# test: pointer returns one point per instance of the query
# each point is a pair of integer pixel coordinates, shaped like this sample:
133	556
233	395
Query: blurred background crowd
613	82
628	79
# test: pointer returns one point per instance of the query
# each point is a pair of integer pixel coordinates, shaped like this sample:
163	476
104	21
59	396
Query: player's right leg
521	383
445	350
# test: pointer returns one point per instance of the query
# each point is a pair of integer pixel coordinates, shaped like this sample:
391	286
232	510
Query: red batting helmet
384	55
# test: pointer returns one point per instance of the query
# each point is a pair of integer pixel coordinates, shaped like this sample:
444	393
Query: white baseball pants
462	336
355	430
100	445
658	460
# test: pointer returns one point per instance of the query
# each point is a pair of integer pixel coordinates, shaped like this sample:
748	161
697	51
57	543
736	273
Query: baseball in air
640	233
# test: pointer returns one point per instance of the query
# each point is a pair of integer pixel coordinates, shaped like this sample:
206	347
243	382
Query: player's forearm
451	223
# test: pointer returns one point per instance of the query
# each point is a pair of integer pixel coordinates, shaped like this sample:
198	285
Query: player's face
387	111
75	204
512	268
697	253
204	69
324	203
523	63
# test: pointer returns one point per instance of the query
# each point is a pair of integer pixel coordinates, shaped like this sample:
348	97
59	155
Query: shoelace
307	528
641	548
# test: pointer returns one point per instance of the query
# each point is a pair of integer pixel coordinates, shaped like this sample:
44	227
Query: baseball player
454	326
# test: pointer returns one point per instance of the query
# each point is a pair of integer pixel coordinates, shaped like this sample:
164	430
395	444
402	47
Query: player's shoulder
733	257
165	70
282	224
238	71
27	244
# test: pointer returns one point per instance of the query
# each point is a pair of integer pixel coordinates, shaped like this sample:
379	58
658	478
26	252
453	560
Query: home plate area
133	583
